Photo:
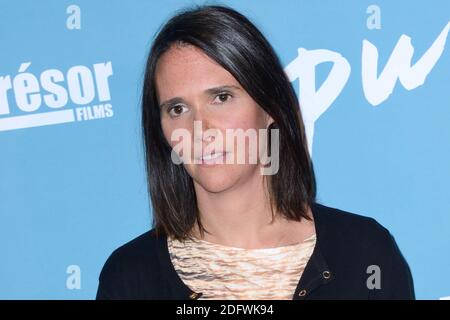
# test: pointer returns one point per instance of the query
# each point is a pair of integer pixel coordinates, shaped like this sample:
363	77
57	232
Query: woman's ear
269	120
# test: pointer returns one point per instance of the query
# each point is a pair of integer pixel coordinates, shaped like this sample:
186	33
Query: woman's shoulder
140	249
347	236
355	245
128	266
335	222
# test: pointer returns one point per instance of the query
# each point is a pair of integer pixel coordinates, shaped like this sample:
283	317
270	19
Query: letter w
398	66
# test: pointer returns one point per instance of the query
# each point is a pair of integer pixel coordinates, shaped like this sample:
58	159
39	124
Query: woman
222	229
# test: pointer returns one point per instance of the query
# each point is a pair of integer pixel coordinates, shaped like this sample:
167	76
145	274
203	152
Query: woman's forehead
187	69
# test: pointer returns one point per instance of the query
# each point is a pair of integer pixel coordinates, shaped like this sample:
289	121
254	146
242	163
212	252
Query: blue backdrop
373	78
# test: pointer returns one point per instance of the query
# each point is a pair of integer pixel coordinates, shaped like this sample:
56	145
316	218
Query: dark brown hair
231	40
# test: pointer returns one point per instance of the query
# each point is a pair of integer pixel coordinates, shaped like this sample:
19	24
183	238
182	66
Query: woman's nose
203	131
202	125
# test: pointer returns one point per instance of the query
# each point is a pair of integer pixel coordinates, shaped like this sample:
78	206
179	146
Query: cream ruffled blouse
224	272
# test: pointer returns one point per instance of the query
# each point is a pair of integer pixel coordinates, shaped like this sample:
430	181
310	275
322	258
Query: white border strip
37	120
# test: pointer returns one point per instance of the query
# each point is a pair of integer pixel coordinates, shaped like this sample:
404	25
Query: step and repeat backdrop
373	79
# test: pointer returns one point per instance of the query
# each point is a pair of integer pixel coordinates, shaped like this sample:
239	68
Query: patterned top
224	272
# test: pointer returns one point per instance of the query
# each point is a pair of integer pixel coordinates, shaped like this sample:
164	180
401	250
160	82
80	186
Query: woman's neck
241	217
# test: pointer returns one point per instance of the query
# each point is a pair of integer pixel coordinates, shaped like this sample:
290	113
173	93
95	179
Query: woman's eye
176	110
222	97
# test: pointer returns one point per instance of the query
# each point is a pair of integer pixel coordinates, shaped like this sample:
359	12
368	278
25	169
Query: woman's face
199	89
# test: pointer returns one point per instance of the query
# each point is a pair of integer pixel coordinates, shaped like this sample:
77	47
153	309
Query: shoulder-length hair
232	41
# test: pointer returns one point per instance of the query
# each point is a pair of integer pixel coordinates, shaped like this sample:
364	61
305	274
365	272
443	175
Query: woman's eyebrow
219	89
210	91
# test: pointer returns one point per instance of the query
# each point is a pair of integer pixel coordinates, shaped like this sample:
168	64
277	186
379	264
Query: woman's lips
213	158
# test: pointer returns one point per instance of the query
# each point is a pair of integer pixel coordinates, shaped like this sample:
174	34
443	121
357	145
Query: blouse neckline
293	246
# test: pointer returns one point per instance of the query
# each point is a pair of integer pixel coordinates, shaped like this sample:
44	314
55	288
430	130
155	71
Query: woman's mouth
213	158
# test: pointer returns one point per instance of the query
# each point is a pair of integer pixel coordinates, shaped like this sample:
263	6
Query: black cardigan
347	244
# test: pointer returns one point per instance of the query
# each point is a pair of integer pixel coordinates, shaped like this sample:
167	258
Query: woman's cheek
166	132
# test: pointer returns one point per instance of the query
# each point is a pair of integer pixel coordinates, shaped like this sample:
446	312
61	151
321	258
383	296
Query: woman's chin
214	183
220	178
